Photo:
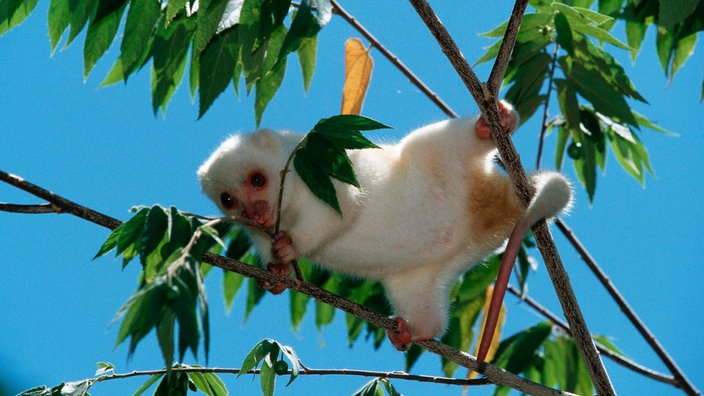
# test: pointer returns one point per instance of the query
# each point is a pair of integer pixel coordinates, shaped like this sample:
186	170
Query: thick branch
487	103
492	373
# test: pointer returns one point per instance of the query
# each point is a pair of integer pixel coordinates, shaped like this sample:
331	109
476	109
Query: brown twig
304	371
486	99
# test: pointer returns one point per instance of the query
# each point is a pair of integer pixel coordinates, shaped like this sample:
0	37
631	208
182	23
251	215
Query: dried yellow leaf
358	73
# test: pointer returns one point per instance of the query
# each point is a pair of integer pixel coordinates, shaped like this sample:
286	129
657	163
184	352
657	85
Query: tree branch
492	373
486	99
305	371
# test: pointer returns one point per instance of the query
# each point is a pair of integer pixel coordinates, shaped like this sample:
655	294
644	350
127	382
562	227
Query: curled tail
553	194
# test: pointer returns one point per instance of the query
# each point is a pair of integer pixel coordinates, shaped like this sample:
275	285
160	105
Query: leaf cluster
321	154
222	43
169	245
556	50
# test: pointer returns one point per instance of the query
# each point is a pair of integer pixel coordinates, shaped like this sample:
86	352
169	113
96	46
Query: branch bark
492	373
485	95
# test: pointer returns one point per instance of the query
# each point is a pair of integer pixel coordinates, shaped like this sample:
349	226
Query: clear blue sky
104	148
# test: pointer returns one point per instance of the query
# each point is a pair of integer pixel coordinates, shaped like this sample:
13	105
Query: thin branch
616	357
487	102
399	375
681	380
492	373
63	204
394	60
506	48
33	209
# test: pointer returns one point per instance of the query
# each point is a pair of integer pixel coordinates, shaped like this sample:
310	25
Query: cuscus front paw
282	247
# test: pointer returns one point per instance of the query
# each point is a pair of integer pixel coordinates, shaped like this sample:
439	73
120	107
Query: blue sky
104	148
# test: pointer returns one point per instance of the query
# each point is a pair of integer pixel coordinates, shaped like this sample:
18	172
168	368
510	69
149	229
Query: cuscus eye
257	180
228	202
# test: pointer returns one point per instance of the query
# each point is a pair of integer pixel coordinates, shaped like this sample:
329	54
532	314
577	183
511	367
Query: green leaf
179	232
165	331
564	32
527	83
216	67
316	178
672	12
80	11
585	166
345	122
153	379
601	62
683	50
208	383
254	295
476	280
58	20
217	386
601	35
173	8
140	25
332	159
371	388
263	348
154	231
141	313
170	49
303	26
389	388
272	76
567	98
231	284
562	135
581	15
209	14
126	234
606	342
598	91
14	12
516	352
267	87
203	308
101	32
267	376
306	59
185	309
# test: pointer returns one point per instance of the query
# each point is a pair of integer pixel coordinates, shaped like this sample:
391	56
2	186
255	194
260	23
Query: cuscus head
242	175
